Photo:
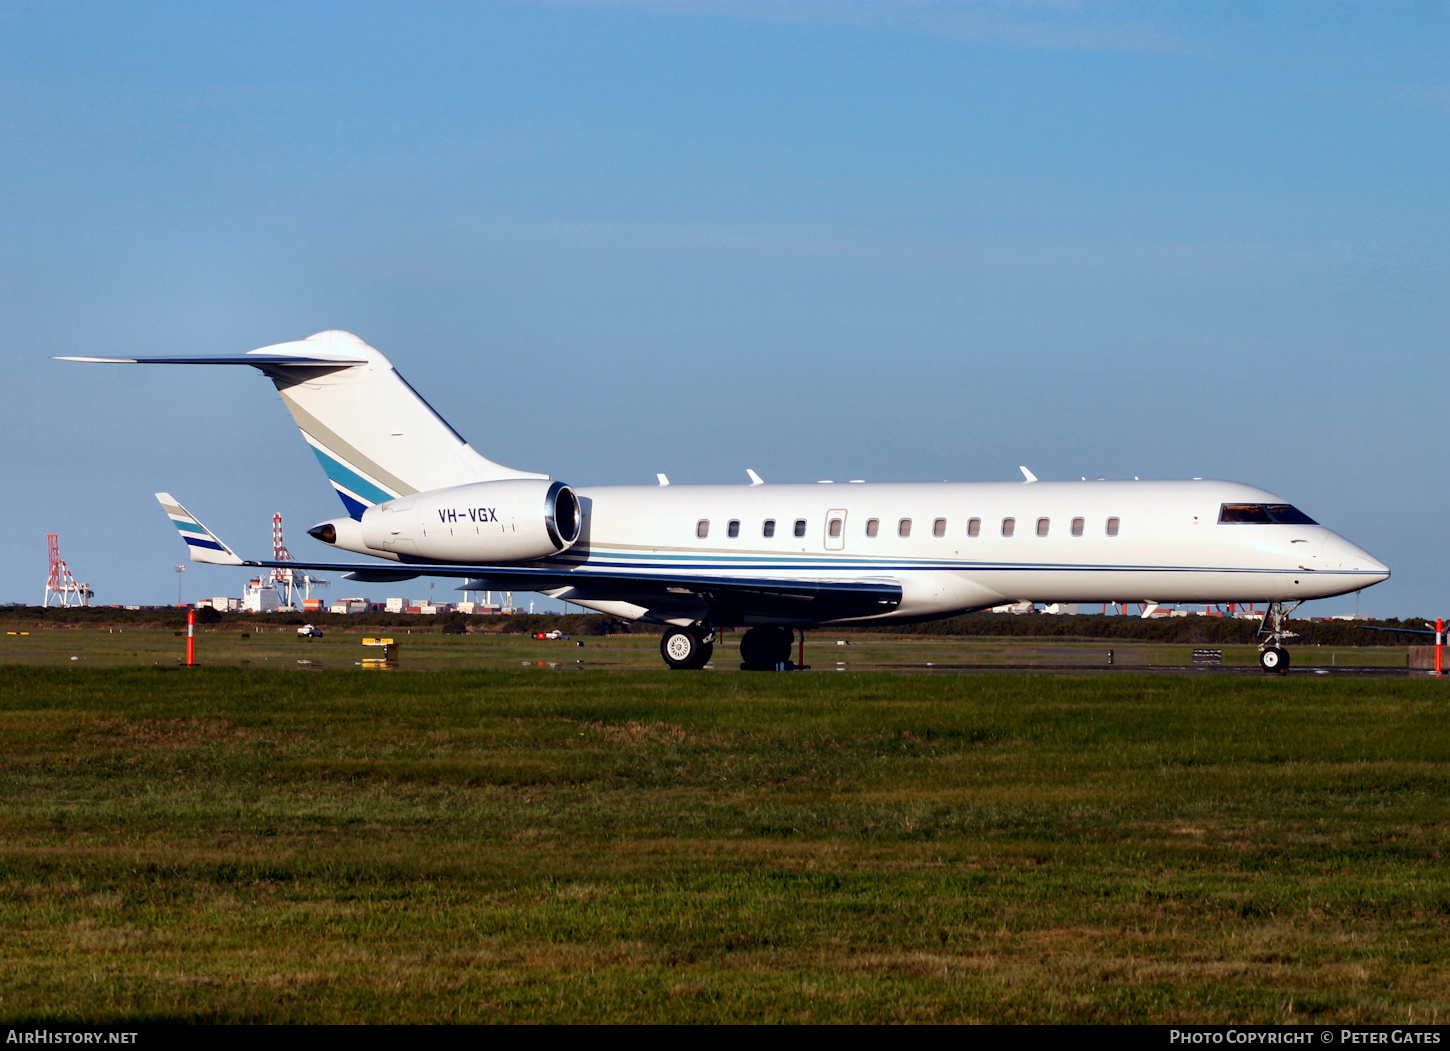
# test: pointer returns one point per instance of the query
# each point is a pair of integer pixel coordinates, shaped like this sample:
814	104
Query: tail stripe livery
202	542
358	480
356	492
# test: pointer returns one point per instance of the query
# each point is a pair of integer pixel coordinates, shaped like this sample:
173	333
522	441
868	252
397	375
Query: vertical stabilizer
373	434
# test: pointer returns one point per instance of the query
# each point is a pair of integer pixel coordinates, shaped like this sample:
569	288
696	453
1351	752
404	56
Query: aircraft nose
1339	553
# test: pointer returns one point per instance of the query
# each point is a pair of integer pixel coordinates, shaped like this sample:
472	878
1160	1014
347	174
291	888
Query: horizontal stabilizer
203	544
255	359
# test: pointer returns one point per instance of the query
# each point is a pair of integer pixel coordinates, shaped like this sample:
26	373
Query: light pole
179	570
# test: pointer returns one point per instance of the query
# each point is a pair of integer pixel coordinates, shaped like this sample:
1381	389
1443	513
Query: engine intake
516	520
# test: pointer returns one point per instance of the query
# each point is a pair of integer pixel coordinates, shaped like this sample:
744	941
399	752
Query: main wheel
783	639
1274	659
684	649
758	646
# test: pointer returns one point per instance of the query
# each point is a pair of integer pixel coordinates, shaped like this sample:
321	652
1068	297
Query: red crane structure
285	579
60	586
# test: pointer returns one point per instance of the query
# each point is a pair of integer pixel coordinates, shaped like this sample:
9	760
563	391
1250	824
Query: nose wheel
687	648
1274	659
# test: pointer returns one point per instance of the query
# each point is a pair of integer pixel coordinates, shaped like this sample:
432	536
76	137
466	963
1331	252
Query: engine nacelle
506	521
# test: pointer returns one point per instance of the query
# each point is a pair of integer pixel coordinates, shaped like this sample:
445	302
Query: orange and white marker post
1439	643
191	638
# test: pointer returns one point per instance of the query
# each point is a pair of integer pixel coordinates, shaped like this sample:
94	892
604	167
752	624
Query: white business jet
768	558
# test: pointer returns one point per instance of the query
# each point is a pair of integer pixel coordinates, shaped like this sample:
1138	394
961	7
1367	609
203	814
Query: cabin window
1112	527
1009	526
1077	525
1043	524
974	527
733	528
834	529
702	528
768	530
800	527
903	528
873	526
939	527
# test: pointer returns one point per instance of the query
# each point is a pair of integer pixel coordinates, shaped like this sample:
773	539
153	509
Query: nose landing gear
1272	656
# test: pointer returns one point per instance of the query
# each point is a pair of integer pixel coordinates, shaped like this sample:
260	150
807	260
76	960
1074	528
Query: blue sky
824	240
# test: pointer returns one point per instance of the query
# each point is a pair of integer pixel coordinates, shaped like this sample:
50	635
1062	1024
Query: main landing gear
766	649
762	649
1273	657
688	648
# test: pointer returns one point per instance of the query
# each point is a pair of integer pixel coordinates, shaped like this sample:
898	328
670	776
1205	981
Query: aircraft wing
663	596
784	597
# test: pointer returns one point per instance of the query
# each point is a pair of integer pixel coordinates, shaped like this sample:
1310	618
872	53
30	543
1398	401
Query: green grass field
243	843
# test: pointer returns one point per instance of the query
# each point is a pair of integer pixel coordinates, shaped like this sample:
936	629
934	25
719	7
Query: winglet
1027	474
203	543
663	479
755	479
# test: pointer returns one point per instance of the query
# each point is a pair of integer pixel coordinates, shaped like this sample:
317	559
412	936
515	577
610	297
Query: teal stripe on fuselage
349	479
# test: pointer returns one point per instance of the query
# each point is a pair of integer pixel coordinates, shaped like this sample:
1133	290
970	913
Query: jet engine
505	521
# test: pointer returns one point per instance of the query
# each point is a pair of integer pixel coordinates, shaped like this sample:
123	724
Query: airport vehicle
309	631
769	558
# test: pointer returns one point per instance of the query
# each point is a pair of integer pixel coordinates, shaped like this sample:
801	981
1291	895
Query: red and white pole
190	638
1439	643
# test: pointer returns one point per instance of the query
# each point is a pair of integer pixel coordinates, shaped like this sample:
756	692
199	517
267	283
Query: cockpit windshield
1263	514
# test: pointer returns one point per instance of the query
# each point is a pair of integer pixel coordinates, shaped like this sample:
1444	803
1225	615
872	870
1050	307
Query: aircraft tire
684	650
783	639
766	649
757	647
1274	659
